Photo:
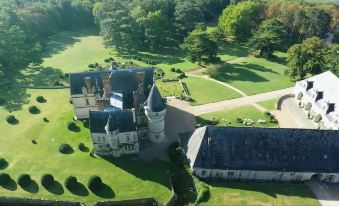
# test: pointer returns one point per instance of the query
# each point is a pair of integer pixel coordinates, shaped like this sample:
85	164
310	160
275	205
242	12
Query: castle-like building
124	107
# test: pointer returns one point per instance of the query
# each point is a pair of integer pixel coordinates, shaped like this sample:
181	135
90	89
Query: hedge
4	178
24	180
71	182
94	183
47	180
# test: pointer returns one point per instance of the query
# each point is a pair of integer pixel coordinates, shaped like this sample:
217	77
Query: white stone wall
156	125
263	175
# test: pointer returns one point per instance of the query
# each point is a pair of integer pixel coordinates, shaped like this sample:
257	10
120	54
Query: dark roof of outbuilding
120	119
124	80
263	149
155	102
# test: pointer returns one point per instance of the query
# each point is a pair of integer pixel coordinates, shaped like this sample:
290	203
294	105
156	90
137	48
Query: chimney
107	86
142	89
309	85
88	84
141	76
135	100
102	104
209	141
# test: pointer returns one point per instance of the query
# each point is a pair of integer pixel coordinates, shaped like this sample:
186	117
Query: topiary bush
172	69
71	182
33	109
178	70
3	163
239	120
91	66
11	119
71	126
41	99
181	75
203	192
83	148
47	180
66	149
2	101
4	178
24	180
95	183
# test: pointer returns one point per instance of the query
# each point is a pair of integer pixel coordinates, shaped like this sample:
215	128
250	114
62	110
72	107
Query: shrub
274	120
45	119
71	182
181	75
85	123
203	192
82	147
71	126
91	66
94	183
47	180
58	83
33	109
3	163
34	142
178	70
4	179
214	71
65	149
66	75
40	99
106	60
11	119
2	101
172	69
177	154
24	180
239	120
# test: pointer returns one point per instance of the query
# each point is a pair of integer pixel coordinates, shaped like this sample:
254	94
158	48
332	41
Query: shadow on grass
79	189
234	49
55	188
43	76
104	192
31	187
11	185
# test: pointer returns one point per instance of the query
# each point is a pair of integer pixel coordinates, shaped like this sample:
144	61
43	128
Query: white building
319	98
123	107
263	154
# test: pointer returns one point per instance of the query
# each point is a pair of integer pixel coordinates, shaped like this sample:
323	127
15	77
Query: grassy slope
251	194
243	112
255	75
269	104
205	91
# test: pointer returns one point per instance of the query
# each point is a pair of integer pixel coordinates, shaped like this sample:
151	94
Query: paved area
217	106
327	194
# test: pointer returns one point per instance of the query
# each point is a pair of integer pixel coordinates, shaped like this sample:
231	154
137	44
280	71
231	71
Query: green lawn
169	88
233	51
269	104
256	75
126	178
205	91
230	115
254	194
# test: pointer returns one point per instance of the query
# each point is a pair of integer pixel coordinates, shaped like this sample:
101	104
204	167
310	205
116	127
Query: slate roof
120	119
263	149
124	81
155	102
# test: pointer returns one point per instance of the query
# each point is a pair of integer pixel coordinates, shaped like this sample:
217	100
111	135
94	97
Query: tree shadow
31	187
104	191
55	188
11	185
43	76
79	189
234	49
14	95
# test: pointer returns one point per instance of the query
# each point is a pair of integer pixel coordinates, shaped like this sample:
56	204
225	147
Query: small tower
155	111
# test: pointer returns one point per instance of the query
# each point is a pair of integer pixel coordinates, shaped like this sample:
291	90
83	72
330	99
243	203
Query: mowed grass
269	104
126	178
228	117
255	75
263	194
206	91
169	88
231	51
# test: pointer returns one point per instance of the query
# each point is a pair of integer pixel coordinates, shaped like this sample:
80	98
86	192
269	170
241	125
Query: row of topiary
47	181
67	149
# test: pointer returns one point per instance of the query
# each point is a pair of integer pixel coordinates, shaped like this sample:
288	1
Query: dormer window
320	95
330	108
309	85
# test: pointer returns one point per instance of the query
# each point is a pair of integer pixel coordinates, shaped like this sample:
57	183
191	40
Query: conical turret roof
155	102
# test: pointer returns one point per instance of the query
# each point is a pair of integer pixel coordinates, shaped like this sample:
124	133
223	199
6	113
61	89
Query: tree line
26	24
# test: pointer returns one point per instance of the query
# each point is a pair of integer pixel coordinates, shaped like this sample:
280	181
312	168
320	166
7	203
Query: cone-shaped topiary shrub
11	119
33	109
65	149
47	180
71	182
3	163
24	180
41	99
94	183
71	126
4	179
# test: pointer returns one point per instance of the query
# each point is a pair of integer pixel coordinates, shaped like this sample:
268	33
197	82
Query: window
203	172
87	102
230	174
127	138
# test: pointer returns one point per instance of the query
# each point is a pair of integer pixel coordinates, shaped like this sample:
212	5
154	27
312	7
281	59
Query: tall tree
199	46
268	37
306	58
332	59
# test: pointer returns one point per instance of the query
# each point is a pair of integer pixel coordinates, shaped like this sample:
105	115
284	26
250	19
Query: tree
336	37
332	59
199	46
238	20
268	37
306	58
